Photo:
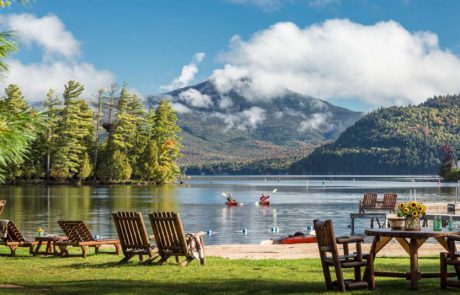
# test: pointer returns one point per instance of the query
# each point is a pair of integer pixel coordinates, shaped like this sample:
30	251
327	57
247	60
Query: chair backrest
370	200
325	237
389	200
2	205
13	233
76	231
131	230
169	233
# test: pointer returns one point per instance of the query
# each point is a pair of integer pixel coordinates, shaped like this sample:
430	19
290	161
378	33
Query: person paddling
264	198
230	198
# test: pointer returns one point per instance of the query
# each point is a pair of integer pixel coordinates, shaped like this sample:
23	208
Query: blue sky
146	43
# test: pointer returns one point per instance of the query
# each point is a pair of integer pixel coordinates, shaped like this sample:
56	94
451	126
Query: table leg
37	248
48	248
414	275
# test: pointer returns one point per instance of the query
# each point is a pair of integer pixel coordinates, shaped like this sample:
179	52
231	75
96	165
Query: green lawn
101	275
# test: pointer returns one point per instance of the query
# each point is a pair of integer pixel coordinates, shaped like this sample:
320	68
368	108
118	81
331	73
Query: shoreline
299	251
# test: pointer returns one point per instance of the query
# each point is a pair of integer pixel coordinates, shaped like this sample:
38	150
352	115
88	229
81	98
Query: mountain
394	140
233	128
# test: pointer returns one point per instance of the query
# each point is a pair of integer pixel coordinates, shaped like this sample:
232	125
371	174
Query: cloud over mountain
187	74
379	64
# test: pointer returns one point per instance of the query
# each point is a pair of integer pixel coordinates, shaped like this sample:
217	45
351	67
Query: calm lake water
298	201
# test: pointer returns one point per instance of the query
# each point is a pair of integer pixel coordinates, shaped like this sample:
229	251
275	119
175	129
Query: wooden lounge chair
79	235
327	243
452	258
133	236
172	241
2	205
389	202
14	238
369	201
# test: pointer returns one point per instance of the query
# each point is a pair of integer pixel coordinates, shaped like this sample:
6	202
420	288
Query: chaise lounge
12	238
79	235
172	241
133	236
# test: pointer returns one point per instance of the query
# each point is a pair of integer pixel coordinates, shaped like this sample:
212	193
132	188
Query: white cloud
187	74
247	119
317	121
195	98
59	61
180	108
380	64
36	79
48	32
225	102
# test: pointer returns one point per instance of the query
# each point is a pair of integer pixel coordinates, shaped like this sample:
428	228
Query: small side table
50	245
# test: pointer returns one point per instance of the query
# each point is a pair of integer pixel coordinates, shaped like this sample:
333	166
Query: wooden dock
380	218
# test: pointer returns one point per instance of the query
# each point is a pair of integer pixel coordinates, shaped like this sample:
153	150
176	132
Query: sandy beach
297	251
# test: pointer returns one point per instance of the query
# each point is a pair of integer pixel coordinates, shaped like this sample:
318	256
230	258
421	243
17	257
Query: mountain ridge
230	127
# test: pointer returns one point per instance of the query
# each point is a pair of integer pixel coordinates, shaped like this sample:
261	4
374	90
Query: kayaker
263	198
230	198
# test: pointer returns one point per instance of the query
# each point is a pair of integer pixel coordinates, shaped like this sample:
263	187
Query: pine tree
14	100
75	133
149	162
166	134
49	137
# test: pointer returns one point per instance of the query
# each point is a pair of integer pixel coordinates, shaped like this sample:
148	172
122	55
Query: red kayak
232	204
296	239
267	203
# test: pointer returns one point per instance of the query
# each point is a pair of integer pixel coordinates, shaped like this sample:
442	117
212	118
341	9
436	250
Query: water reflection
201	204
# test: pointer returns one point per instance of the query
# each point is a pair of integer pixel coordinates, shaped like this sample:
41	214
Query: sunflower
406	210
413	204
401	206
414	213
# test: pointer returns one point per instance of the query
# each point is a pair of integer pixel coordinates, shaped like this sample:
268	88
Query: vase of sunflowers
412	211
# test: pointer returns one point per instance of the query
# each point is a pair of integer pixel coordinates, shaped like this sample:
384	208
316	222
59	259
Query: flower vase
412	223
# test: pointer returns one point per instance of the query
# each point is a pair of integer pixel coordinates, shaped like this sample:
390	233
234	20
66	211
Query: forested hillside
394	140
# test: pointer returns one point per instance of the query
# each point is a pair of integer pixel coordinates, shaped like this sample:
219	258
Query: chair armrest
346	239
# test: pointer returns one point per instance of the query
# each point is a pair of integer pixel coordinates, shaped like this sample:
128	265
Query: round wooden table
411	242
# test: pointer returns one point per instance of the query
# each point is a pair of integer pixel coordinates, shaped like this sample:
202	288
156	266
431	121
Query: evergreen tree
74	133
50	104
166	134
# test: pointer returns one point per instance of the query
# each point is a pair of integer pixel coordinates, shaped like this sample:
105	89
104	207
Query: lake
298	201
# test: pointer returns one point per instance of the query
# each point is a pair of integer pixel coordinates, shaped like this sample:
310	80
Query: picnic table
411	242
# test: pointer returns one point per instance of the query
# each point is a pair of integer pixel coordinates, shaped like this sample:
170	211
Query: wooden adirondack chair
14	238
79	235
389	202
453	259
2	205
327	243
369	202
171	239
133	236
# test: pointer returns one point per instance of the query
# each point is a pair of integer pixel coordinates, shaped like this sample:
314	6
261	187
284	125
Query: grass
101	275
